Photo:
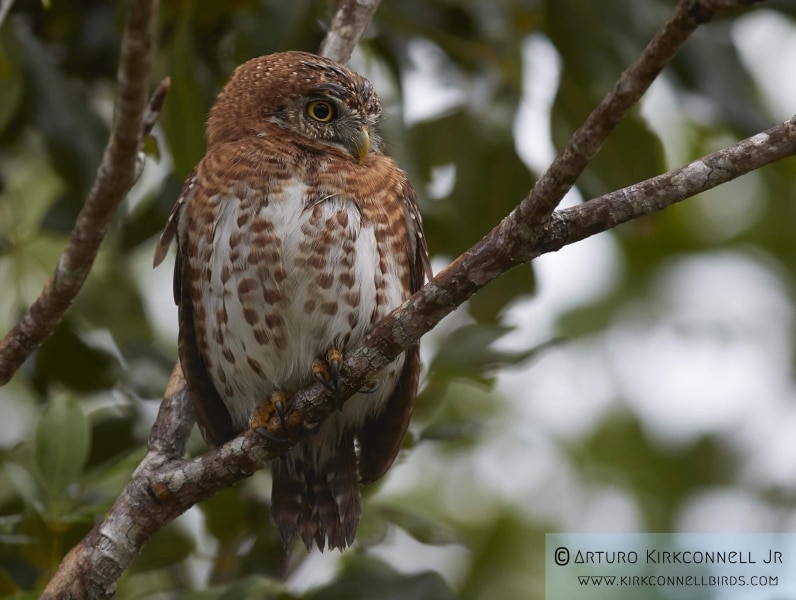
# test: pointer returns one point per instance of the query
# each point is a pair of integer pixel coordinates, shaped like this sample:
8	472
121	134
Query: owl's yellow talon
328	371
335	360
262	415
320	371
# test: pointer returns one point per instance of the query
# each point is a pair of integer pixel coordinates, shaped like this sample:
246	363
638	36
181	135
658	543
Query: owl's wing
420	267
170	230
211	414
380	439
210	411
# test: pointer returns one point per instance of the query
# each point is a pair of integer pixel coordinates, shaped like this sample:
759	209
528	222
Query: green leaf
167	547
75	137
489	302
151	147
422	528
111	292
506	559
28	486
362	576
62	443
464	406
709	65
490	177
67	359
225	514
255	587
184	111
621	454
20	595
468	351
8	586
632	153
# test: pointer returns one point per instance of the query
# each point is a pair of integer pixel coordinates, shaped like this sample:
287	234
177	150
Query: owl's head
297	93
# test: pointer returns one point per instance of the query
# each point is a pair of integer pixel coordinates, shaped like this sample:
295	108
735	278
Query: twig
152	111
347	27
115	175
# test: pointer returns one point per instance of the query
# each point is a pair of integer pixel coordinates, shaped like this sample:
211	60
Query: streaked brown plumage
296	234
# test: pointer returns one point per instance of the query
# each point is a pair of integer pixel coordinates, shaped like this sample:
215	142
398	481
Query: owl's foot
327	370
262	415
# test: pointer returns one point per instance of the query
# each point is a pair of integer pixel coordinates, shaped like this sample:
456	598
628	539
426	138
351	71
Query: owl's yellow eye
321	110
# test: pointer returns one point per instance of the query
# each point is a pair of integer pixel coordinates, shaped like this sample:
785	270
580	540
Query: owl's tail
320	504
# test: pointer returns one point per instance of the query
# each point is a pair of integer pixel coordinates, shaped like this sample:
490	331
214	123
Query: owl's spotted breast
282	274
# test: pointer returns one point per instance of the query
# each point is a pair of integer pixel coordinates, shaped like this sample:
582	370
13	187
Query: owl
295	235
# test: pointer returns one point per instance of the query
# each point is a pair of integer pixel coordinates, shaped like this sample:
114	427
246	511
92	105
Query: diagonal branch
115	176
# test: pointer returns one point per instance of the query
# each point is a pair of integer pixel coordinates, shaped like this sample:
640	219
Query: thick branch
114	178
347	27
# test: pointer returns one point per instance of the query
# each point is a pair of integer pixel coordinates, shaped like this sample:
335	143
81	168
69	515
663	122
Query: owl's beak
362	144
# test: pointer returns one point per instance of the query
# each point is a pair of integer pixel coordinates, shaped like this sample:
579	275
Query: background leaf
364	575
62	443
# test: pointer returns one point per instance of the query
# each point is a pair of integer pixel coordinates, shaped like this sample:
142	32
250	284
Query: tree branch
347	27
115	176
165	485
606	212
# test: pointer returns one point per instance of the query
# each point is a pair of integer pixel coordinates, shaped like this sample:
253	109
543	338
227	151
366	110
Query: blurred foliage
73	422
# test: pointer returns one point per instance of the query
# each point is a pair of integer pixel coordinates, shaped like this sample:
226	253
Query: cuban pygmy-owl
295	235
